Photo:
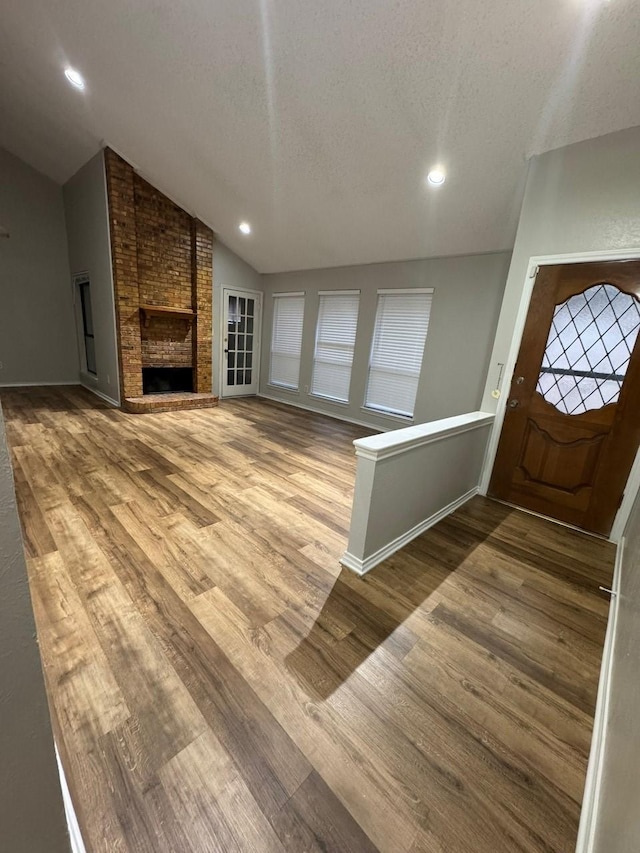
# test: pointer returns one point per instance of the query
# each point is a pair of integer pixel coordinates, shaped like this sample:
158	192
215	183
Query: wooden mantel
148	311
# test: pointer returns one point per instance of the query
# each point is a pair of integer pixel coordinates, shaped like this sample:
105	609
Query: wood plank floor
218	683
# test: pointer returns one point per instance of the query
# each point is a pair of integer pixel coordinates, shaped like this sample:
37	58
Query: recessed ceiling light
436	177
245	227
74	77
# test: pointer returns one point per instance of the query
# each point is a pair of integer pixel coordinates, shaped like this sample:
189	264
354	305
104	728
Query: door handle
513	404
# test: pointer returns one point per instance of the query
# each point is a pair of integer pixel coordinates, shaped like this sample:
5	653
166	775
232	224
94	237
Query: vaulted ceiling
317	122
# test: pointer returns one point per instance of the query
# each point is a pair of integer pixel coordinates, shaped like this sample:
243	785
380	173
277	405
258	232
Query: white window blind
286	339
335	340
402	320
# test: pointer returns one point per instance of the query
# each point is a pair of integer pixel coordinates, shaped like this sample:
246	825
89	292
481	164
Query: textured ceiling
318	121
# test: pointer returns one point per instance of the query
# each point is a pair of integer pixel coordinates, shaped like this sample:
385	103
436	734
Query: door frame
257	347
535	261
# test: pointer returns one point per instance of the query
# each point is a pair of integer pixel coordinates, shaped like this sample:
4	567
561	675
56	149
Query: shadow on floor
26	401
362	613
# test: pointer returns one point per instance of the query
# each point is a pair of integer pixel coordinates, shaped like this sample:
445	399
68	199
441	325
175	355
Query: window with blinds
402	320
286	339
335	341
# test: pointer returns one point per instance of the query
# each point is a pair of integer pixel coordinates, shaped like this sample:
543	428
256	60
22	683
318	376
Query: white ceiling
317	120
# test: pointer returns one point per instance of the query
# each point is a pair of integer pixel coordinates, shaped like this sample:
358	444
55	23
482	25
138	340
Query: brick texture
164	257
122	223
202	287
153	403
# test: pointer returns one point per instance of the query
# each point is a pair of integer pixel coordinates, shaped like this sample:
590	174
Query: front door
572	422
240	342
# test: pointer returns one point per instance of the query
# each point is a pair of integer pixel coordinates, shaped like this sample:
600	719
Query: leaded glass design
588	350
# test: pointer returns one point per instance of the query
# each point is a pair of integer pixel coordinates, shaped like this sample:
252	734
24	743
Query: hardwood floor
218	683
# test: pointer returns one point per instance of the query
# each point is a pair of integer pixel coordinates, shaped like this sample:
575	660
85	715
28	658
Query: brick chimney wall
161	257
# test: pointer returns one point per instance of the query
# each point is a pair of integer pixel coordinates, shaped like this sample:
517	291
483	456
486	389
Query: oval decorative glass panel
588	350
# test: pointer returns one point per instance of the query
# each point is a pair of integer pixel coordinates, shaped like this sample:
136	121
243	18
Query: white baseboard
335	415
102	396
37	384
361	567
75	836
589	813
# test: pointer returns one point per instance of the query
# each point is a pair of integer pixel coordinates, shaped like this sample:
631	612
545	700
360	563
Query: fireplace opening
166	380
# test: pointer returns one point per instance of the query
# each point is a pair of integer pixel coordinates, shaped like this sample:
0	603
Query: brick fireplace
162	271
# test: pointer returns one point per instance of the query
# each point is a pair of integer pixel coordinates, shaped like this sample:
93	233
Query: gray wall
37	332
31	810
397	493
582	198
466	302
85	205
618	816
228	271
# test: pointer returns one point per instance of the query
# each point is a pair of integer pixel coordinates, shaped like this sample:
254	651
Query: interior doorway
571	429
240	358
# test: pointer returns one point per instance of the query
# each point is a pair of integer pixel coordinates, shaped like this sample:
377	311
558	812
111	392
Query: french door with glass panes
241	342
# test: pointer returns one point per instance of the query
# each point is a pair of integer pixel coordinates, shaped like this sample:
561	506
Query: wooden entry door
242	320
572	423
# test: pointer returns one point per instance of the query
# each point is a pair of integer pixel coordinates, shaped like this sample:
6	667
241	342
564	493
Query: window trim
394	291
384	413
82	281
339	293
285	295
404	291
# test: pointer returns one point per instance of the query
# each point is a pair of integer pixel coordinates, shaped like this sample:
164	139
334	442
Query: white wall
582	198
31	810
617	812
37	331
85	205
468	291
228	271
